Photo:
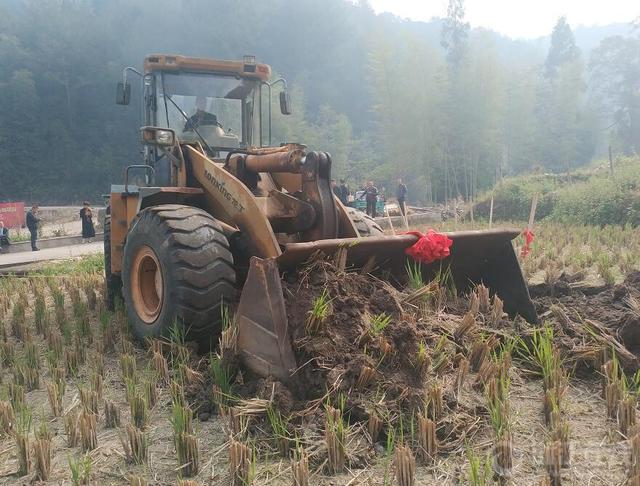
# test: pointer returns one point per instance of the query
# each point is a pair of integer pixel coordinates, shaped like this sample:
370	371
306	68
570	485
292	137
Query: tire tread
204	276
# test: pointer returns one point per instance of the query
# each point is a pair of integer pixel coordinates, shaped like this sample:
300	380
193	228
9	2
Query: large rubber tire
364	223
112	282
177	268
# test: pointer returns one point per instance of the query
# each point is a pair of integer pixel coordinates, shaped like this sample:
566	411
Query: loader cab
220	111
223	106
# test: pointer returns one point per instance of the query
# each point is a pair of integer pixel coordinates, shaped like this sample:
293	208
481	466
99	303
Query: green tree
455	32
563	48
615	75
564	135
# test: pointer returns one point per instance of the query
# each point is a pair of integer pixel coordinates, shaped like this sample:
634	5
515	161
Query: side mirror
123	93
285	103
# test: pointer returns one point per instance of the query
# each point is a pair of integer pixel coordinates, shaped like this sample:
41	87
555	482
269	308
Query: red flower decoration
528	239
430	247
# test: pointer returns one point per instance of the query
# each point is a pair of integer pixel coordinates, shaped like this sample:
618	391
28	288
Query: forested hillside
449	109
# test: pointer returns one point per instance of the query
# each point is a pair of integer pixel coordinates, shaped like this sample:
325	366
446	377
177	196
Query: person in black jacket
371	196
86	215
343	192
401	196
334	188
4	235
32	225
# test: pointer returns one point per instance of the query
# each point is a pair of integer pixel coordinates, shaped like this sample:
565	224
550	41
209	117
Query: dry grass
21	436
405	466
55	395
160	367
87	423
135	480
367	374
135	445
139	408
456	405
7	417
241	467
634	459
553	462
89	400
111	415
71	427
42	453
334	439
374	426
300	468
185	442
427	439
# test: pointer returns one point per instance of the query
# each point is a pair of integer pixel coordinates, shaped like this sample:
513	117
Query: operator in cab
201	117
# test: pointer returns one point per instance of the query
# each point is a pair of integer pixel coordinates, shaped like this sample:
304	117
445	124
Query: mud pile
411	367
615	307
397	367
346	343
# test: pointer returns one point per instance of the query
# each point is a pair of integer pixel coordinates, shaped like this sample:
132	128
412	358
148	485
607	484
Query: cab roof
169	62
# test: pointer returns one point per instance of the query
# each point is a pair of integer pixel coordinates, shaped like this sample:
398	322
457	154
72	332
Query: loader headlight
158	136
164	137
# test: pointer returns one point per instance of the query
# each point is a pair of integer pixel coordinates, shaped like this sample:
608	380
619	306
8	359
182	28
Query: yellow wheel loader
213	213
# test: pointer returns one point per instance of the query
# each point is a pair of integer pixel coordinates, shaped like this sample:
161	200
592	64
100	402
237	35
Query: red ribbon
528	239
430	247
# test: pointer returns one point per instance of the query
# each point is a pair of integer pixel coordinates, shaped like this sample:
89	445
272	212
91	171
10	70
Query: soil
609	305
331	361
345	342
335	355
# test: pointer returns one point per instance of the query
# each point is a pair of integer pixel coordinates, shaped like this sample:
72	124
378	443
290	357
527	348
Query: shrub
512	197
590	197
603	199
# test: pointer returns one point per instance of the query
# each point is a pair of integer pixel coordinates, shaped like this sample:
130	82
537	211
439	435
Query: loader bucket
263	336
485	257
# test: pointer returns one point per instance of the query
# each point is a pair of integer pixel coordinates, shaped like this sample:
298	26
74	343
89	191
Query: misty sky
519	18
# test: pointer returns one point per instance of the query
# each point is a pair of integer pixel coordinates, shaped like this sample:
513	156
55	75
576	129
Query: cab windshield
218	108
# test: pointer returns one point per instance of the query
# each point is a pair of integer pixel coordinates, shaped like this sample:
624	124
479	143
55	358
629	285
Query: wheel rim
147	284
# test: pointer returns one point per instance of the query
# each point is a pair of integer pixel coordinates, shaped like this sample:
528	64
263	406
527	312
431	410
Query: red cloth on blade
430	247
528	239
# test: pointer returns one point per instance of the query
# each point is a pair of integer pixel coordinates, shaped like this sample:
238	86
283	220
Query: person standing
32	225
371	196
343	191
4	235
86	215
401	196
334	188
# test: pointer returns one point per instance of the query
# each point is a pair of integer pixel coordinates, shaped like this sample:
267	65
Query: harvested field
392	384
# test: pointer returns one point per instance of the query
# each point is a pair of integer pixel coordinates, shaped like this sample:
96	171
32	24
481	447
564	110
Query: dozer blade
485	257
263	337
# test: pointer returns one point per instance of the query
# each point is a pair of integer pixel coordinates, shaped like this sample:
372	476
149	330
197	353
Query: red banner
12	214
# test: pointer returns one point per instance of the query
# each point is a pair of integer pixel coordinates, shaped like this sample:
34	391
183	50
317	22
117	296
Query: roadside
58	221
20	261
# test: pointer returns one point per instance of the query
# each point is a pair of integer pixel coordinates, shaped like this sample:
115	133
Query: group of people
342	190
371	195
33	222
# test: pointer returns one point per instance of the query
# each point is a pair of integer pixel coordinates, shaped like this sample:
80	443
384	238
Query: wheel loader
213	215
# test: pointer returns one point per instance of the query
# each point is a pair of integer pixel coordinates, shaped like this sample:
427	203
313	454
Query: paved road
8	260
